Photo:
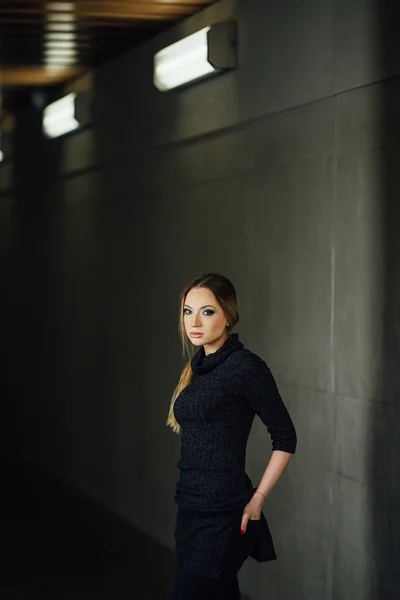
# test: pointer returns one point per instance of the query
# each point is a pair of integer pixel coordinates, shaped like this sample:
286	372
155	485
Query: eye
209	312
186	311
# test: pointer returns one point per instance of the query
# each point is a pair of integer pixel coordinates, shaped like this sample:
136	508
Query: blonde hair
225	294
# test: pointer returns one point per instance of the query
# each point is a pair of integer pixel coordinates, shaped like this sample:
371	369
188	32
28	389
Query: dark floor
45	554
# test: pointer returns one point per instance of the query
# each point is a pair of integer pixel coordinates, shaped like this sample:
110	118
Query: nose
195	320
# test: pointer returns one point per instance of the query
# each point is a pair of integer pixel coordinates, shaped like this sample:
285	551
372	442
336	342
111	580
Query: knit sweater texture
216	411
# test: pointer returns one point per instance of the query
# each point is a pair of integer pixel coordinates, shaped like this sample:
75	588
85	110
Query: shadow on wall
384	471
33	360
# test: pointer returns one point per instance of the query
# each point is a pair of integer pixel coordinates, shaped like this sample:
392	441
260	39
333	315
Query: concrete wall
282	175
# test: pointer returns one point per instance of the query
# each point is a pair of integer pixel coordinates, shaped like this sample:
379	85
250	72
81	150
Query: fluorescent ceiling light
56	53
65	61
60	61
59	117
206	52
57	68
60	37
62	7
61	17
183	61
60	45
60	51
63	27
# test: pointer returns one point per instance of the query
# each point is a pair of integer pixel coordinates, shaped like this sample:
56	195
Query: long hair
225	294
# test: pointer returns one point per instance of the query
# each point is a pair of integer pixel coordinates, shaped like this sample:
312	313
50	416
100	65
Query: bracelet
257	492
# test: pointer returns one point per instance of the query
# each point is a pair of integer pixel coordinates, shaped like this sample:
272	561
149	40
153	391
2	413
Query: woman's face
204	320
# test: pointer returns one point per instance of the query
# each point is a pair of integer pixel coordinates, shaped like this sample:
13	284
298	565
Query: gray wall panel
294	276
6	176
365	42
366	117
279	57
359	301
361	573
294	136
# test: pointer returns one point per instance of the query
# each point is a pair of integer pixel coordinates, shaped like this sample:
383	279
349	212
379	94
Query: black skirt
211	544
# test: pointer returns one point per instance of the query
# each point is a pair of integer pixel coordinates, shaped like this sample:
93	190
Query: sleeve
262	395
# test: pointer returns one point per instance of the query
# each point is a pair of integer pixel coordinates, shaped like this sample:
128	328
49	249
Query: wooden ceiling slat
133	13
92	26
144	4
102	14
86	33
19	76
110	3
116	9
32	34
86	23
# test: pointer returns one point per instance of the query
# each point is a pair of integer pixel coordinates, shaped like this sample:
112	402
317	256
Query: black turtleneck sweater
216	412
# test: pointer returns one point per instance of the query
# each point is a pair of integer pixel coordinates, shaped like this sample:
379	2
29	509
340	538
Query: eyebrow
201	307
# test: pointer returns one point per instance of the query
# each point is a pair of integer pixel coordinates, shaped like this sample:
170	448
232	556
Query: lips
194	334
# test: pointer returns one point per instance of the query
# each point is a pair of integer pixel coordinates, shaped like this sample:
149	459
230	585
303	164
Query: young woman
223	386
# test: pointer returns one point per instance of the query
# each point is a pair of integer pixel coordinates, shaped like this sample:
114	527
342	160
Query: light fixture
66	51
64	7
59	117
61	17
54	36
67	114
55	56
204	53
60	45
57	69
59	63
65	54
61	27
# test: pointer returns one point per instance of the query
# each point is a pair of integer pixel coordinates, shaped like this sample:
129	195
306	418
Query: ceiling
46	43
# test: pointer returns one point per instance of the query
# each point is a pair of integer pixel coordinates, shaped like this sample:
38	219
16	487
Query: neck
214	346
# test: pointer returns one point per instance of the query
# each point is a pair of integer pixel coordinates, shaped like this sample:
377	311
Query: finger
243	525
